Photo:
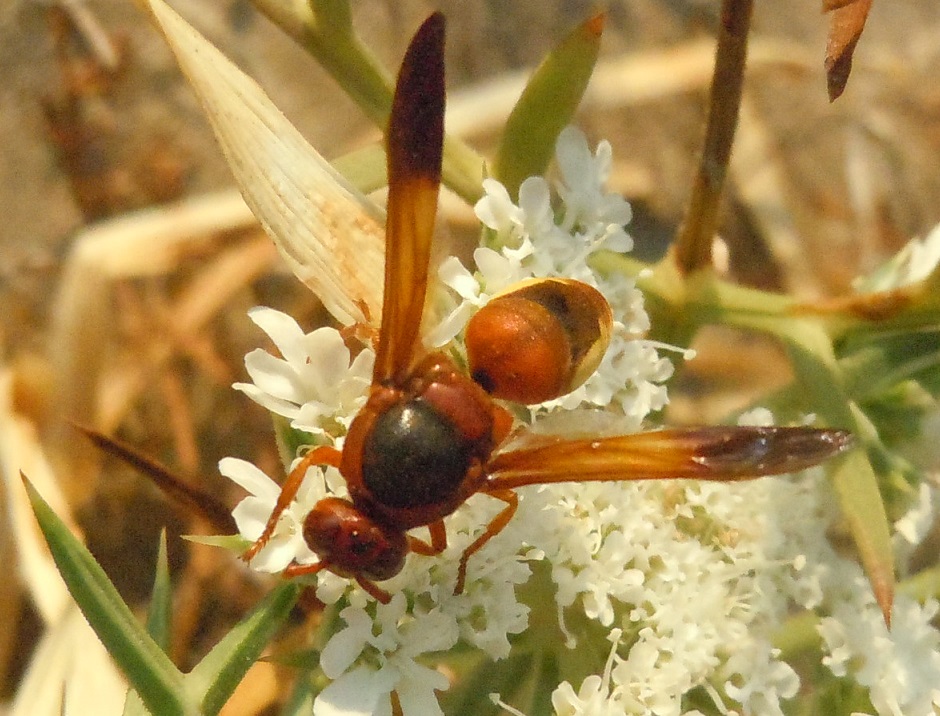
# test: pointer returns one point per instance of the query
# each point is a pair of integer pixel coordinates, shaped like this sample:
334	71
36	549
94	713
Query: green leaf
853	478
215	677
546	106
233	543
152	674
158	620
300	702
856	485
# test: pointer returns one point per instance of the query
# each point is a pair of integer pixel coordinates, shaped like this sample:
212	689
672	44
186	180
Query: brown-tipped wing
415	149
710	453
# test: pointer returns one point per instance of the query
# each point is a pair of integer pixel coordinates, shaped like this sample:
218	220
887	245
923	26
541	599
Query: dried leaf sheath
330	235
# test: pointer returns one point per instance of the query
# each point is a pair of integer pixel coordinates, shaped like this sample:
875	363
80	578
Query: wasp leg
324	455
357	335
300	570
437	544
372	589
496	525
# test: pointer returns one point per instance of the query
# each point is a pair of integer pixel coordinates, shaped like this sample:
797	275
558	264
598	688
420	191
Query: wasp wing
415	149
708	453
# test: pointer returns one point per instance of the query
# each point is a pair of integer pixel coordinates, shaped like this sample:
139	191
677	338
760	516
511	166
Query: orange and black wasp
430	436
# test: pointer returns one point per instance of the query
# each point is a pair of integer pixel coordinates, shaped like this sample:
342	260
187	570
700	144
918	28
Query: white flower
900	667
763	680
496	271
915	524
594	698
518	227
582	189
629	380
701	575
314	384
374	656
251	515
528	243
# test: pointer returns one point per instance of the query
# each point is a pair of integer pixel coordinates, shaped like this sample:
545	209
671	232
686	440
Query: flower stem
693	246
324	28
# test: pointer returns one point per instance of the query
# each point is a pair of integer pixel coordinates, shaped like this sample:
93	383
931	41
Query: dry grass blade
70	673
20	450
146	243
174	486
208	293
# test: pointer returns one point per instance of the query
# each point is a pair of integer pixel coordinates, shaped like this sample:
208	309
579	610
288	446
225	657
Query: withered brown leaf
846	22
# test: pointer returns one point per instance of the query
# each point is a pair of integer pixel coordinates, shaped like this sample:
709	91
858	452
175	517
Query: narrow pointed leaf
856	485
149	670
215	677
546	106
331	236
159	617
853	477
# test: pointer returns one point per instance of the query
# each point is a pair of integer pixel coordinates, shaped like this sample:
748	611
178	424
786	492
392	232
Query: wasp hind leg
496	525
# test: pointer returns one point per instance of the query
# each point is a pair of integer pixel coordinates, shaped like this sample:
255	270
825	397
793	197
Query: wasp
430	436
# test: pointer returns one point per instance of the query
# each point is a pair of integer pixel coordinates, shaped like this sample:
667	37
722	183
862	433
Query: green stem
324	28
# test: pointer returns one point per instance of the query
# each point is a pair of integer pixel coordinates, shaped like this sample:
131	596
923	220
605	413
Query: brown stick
201	503
693	246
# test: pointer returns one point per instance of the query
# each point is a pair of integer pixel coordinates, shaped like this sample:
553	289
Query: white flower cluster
690	581
313	382
704	609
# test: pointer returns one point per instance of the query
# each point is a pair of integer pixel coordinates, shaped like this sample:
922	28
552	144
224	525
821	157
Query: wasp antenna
201	503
